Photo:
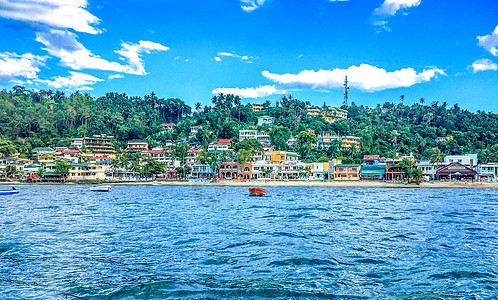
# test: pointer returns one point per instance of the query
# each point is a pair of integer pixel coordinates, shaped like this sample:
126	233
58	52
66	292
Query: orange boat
257	192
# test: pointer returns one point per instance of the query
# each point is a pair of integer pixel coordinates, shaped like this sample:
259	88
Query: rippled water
155	242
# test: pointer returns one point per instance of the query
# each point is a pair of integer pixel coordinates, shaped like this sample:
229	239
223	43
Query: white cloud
391	7
244	58
261	91
63	44
116	76
364	77
217	58
250	5
76	81
54	13
131	53
13	65
490	42
483	65
388	9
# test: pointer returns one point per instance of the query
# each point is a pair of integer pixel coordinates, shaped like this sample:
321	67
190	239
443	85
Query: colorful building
347	172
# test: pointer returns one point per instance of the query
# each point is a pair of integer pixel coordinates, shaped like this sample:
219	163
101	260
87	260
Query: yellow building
257	107
83	171
332	114
278	157
313	111
137	146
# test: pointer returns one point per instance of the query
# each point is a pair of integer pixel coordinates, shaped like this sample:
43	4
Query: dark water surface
156	242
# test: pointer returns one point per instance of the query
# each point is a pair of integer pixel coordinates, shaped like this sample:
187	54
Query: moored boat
257	192
13	191
100	188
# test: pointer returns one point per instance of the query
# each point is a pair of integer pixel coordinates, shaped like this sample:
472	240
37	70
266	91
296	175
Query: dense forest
31	119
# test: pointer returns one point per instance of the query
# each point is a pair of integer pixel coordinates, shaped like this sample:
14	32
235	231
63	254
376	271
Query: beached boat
257	192
100	188
13	191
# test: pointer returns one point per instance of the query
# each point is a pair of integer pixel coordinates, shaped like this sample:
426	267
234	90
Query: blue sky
259	49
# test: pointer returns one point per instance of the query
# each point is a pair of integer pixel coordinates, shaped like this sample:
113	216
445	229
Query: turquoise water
156	242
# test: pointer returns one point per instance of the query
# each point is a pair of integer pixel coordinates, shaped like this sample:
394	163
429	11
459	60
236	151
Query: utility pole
346	88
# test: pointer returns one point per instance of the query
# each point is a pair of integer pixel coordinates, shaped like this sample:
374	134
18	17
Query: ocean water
201	242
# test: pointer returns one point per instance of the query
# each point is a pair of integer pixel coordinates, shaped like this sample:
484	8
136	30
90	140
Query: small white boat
100	188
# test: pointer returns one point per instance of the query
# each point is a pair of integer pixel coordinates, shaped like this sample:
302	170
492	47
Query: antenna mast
346	88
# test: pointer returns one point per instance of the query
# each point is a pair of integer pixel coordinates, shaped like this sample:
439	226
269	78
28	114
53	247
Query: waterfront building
393	172
320	171
373	167
229	170
428	169
347	172
257	107
201	171
278	157
85	171
293	170
265	120
456	171
263	170
136	146
488	172
333	114
469	160
100	145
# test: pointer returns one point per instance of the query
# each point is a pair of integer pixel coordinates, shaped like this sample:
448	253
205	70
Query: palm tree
198	106
422	100
402	98
436	155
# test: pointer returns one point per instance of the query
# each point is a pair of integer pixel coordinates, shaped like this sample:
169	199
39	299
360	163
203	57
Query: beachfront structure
456	171
233	170
428	169
393	172
371	172
320	171
265	120
44	155
136	146
469	160
100	145
293	170
347	172
87	172
201	171
263	170
333	114
326	139
257	107
488	172
278	157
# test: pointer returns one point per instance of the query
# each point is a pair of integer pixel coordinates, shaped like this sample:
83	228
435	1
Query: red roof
195	151
223	141
155	151
71	151
168	125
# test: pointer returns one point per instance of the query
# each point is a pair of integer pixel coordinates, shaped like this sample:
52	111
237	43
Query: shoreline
302	183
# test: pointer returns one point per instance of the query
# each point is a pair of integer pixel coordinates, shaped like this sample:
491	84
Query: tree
62	167
243	155
435	155
279	136
248	144
306	144
7	148
153	167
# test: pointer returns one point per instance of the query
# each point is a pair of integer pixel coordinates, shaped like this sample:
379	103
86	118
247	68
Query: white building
265	120
469	160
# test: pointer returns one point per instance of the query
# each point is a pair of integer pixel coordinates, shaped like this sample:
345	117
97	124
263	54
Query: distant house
333	114
428	169
220	145
326	139
257	107
168	126
313	111
265	120
136	146
194	130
